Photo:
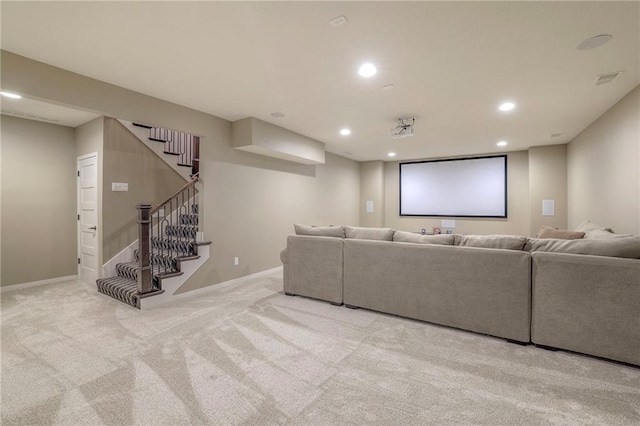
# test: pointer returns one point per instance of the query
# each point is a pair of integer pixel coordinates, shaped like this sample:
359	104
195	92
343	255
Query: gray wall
150	179
372	189
250	201
547	181
38	201
603	169
517	222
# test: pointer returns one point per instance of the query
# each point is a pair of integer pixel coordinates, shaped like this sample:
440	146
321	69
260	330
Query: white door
88	218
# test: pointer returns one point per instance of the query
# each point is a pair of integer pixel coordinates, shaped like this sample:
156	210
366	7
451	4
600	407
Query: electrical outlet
236	261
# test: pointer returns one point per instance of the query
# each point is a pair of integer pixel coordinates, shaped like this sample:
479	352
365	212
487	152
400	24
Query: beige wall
250	201
547	181
255	208
372	189
517	222
603	165
38	201
151	180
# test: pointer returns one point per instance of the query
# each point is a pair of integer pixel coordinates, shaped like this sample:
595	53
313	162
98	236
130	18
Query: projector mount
403	129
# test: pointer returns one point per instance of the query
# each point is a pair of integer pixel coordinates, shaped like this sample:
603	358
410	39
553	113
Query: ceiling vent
608	78
403	129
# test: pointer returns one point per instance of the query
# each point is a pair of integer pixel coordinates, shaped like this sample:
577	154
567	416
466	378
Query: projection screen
461	187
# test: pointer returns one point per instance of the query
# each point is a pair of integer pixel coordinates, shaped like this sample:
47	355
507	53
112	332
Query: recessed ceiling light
391	154
345	132
595	41
507	106
277	114
502	143
367	70
11	95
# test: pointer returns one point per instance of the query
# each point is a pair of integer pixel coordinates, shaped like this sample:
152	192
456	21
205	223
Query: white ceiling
452	63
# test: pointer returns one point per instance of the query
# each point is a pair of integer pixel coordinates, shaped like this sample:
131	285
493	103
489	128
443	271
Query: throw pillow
617	247
587	226
562	234
410	237
383	234
603	234
507	242
319	231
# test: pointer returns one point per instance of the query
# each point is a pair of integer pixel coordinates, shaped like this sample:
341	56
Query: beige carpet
247	354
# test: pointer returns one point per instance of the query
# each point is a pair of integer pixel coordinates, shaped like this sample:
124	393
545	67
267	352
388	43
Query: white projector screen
465	187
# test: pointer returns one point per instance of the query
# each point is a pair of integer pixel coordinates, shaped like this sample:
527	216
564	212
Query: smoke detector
403	129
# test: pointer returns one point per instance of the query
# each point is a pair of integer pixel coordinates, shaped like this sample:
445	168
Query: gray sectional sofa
578	295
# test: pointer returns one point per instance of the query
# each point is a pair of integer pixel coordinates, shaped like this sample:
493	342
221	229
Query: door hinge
78	261
78	217
78	173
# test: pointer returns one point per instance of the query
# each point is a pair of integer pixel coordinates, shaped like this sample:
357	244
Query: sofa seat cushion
628	247
319	231
505	242
410	237
561	234
382	234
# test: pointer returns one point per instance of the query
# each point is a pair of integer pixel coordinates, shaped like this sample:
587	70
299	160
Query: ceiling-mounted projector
403	129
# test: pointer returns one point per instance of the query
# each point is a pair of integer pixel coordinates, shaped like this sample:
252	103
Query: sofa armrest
587	304
314	267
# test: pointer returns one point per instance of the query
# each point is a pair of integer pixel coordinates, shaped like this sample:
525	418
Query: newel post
144	263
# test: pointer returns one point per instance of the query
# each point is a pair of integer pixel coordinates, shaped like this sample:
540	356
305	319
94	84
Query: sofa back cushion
628	247
410	237
383	234
562	234
507	242
319	231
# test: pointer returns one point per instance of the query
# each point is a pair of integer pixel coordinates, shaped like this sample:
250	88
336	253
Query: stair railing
185	145
166	233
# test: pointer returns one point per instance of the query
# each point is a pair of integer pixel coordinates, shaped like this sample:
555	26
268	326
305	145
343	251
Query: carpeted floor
247	354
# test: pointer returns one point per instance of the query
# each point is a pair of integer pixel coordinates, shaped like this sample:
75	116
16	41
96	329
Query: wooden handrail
192	182
163	239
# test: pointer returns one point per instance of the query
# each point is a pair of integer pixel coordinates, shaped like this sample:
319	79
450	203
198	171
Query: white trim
98	232
126	255
85	156
37	283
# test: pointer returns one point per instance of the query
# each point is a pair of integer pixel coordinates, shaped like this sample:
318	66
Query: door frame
98	216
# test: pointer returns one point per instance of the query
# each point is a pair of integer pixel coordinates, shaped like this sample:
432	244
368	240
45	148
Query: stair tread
120	288
171	153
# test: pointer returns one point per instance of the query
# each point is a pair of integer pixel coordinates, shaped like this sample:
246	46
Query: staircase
178	149
168	237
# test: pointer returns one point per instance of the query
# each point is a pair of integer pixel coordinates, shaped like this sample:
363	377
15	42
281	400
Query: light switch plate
122	187
448	224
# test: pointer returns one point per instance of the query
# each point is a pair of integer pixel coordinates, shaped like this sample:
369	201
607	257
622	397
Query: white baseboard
37	283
